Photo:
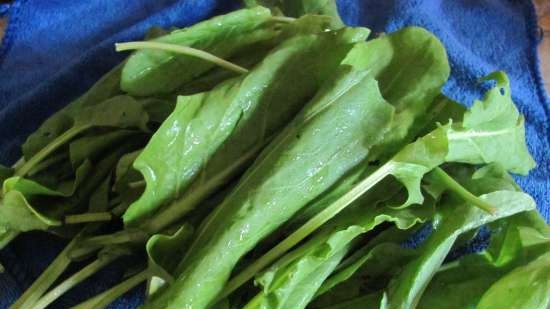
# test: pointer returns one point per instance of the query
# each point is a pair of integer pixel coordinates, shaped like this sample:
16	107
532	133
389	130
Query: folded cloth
54	50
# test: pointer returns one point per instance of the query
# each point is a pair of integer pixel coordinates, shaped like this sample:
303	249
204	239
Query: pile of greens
274	158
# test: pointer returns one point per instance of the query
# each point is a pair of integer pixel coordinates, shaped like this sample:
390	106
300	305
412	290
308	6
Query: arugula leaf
524	287
408	166
301	265
206	159
118	112
329	136
515	241
492	131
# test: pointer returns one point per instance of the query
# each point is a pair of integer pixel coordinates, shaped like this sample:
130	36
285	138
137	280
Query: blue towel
54	50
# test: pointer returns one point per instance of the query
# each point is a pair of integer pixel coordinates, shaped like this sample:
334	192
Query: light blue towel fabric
54	50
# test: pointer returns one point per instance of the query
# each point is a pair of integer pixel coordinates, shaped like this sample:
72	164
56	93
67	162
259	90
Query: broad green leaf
455	218
409	165
211	136
148	72
525	287
492	131
515	241
329	136
396	59
388	59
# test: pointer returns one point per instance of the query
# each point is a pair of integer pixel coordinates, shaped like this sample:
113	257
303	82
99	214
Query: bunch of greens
275	158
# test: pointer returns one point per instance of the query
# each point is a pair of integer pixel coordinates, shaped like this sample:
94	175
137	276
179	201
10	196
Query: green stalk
102	300
306	229
185	50
121	237
466	195
88	217
73	280
51	147
283	19
46	279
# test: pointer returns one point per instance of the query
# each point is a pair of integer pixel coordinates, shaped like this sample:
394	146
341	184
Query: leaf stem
46	279
73	280
102	300
457	188
306	229
185	50
283	19
88	217
117	238
51	147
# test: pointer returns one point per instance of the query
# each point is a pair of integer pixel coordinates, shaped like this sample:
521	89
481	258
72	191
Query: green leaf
492	131
515	241
524	287
329	136
333	239
211	136
410	54
116	112
16	211
455	218
148	72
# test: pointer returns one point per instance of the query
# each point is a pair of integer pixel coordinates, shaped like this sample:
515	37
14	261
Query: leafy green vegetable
524	287
492	131
329	136
119	112
325	249
205	159
515	241
56	125
408	166
455	218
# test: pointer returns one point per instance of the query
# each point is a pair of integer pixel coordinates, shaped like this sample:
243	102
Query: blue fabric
54	50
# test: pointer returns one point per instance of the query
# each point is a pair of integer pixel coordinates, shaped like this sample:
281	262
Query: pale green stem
88	217
102	300
306	229
137	184
46	279
185	50
283	19
72	281
466	195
